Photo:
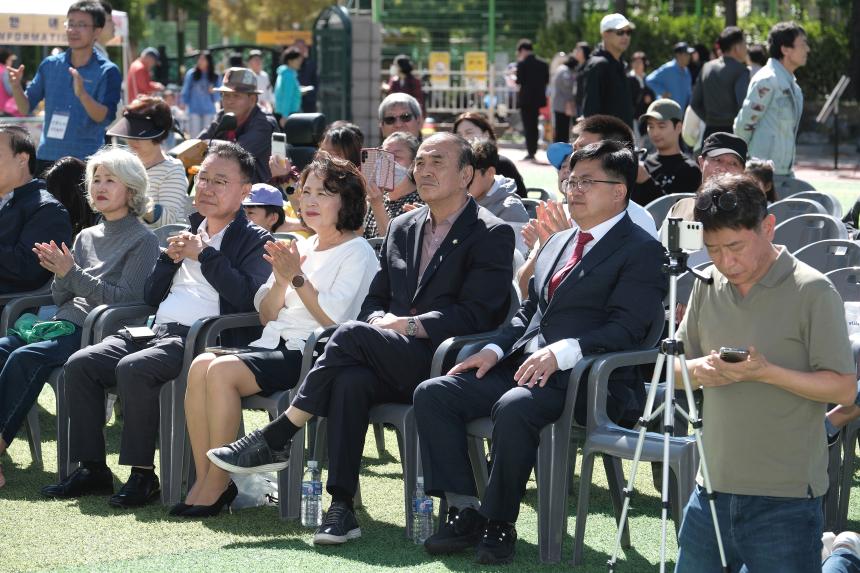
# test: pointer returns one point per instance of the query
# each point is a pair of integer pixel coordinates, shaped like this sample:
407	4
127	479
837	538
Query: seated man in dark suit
28	214
596	289
445	271
215	270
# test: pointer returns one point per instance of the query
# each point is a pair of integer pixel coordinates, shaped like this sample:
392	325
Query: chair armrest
598	380
108	319
452	347
17	306
10	296
205	332
312	349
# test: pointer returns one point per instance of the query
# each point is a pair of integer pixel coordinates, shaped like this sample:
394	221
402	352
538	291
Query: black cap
683	47
721	143
136	126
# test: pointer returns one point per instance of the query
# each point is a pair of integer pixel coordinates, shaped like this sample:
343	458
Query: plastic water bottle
422	514
312	496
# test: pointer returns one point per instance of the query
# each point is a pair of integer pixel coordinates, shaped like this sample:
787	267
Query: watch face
298	281
411	327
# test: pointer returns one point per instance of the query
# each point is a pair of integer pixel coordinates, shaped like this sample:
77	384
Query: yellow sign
440	69
283	37
475	66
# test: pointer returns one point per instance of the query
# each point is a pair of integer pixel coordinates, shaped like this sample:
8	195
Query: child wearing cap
264	206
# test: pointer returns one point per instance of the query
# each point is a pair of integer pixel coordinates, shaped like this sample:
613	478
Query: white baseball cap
615	22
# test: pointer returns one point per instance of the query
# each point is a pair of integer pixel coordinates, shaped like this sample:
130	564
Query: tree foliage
241	19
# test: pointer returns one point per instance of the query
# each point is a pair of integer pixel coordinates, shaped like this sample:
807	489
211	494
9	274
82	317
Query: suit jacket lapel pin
454	242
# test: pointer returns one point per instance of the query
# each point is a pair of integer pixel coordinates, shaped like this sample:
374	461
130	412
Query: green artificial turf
37	534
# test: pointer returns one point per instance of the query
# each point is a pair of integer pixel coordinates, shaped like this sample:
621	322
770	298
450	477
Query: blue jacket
236	271
672	79
288	92
770	115
31	216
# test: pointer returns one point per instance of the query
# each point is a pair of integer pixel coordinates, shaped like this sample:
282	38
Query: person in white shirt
320	281
266	100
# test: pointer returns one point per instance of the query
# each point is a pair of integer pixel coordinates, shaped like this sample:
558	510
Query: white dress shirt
191	296
567	350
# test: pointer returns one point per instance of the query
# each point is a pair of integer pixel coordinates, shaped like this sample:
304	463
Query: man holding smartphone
763	433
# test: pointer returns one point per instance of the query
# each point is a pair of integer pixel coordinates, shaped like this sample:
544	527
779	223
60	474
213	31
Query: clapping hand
58	260
285	260
184	245
77	82
16	76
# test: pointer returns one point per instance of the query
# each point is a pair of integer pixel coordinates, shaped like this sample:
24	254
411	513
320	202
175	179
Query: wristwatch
298	281
411	326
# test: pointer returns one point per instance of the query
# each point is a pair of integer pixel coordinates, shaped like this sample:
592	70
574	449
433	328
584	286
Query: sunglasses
623	32
392	119
724	201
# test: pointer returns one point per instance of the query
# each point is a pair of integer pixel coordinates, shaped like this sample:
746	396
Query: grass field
87	535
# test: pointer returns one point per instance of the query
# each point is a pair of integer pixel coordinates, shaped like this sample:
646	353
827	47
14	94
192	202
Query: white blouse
341	275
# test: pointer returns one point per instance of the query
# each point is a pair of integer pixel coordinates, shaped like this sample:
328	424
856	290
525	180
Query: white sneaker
848	540
827	544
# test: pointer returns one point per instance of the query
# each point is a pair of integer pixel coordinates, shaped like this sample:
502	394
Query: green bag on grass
30	329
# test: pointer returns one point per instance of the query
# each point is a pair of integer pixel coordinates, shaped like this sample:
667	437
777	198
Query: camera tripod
671	349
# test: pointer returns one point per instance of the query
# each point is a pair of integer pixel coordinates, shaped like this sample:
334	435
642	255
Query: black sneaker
461	530
498	543
250	455
338	525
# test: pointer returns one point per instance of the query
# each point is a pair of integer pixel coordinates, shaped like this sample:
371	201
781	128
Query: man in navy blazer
597	288
445	271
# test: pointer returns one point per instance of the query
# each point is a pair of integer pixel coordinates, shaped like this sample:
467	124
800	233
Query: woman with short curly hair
107	264
319	281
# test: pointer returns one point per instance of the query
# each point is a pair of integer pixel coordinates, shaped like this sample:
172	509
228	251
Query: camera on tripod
678	235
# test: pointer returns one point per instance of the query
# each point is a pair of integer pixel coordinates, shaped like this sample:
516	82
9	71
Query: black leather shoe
250	455
461	530
225	499
82	481
498	544
140	489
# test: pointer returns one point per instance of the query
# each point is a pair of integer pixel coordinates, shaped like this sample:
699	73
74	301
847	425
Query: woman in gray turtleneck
108	264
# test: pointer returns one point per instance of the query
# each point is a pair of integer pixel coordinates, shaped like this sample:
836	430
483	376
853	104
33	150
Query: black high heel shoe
179	509
225	499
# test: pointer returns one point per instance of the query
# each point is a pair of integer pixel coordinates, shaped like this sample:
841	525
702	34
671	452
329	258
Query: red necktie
582	239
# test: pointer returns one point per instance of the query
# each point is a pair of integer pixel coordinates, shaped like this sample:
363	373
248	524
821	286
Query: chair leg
379	435
552	496
319	446
849	445
34	434
582	506
478	458
409	448
64	464
834	491
290	480
615	479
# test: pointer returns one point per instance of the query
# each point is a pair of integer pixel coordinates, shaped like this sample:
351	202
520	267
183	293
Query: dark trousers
709	129
362	365
529	115
139	369
25	369
443	407
561	128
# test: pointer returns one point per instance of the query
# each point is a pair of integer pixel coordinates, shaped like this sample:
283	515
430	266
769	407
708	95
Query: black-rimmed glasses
724	201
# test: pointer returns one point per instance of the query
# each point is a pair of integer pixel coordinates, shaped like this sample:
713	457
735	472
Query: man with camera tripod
763	435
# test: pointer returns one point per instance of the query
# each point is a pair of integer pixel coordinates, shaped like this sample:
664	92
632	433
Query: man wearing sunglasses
607	90
763	437
400	112
80	87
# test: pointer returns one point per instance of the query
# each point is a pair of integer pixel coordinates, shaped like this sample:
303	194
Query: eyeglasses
392	119
584	184
76	25
213	184
623	32
724	201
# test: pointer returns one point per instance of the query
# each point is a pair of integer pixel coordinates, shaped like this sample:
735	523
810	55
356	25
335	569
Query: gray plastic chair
531	206
830	255
785	209
830	203
659	207
285	236
797	232
376	243
848	444
847	283
607	438
11	313
166	230
538	193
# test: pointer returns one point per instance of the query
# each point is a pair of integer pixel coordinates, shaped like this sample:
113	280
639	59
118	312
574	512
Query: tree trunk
203	30
854	31
621	6
731	13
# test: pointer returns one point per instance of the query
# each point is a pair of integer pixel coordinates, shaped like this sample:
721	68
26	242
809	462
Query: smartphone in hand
279	144
733	354
377	166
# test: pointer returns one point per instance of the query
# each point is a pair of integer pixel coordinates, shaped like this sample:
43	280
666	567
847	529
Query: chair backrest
304	132
847	283
830	203
659	207
787	208
165	231
803	230
531	206
376	243
538	193
831	254
285	236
